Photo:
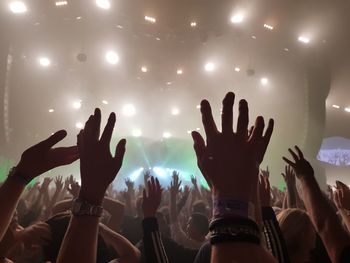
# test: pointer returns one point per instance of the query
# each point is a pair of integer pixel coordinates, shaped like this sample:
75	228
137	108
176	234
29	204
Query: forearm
10	191
51	204
80	241
116	210
291	197
173	212
345	215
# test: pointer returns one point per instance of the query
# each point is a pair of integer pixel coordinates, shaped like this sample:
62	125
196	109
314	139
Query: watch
82	208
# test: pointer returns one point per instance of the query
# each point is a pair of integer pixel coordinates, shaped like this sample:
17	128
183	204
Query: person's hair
200	207
294	223
201	223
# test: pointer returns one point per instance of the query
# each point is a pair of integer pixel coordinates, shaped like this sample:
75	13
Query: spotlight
304	39
237	18
112	57
198	129
175	111
336	106
150	19
179	72
347	109
17	7
267	26
105	102
104	4
209	66
44	61
136	174
237	69
79	125
198	106
193	24
129	110
166	135
144	69
77	104
189	132
51	110
61	3
160	172
264	81
136	133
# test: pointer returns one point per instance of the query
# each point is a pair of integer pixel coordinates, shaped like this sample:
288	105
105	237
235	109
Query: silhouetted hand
129	184
45	185
230	160
175	184
74	189
194	181
97	166
264	190
151	200
265	173
59	183
341	196
41	157
289	176
301	167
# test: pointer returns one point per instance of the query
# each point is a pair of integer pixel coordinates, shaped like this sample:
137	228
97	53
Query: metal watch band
83	208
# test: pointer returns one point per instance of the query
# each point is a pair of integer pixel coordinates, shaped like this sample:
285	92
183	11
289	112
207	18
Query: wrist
94	198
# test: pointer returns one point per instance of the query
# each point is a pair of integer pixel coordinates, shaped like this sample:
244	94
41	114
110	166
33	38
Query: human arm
322	215
98	168
341	197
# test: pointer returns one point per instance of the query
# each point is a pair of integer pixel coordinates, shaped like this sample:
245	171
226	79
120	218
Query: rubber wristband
233	208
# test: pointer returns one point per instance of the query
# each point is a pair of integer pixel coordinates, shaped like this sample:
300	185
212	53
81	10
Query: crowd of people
241	218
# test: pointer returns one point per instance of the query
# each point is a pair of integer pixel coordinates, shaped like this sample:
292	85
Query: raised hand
41	157
194	180
146	175
59	182
230	160
97	165
186	191
302	167
265	173
341	196
45	185
74	189
175	184
264	190
289	176
152	198
129	184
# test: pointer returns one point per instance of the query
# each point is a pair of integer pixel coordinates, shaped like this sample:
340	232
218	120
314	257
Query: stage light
129	110
168	83
237	69
17	7
189	132
104	4
61	3
264	81
105	102
237	18
51	110
44	61
304	39
267	26
198	129
77	104
136	133
160	172
175	111
253	37
166	135
198	106
347	109
286	49
209	66
193	24
112	57
336	106
150	19
179	72
136	174
78	18
144	69
79	125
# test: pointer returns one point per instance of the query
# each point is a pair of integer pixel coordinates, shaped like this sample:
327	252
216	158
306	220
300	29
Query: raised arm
36	160
98	168
341	197
322	215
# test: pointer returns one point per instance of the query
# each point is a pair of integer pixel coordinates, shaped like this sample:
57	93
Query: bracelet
233	208
15	174
82	208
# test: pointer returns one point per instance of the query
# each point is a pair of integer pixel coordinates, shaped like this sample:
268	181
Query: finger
289	162
243	119
250	132
53	139
258	130
120	151
96	124
227	113
108	131
294	155
268	132
284	176
208	120
199	144
300	153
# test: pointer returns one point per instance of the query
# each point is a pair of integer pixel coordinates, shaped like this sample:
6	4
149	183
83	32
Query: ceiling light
347	109
18	7
44	61
77	104
150	19
237	69
61	3
166	135
112	57
336	106
264	81
209	66
104	4
193	24
179	72
51	110
144	69
267	26
105	102
304	39
175	111
129	110
79	125
198	106
237	18
136	133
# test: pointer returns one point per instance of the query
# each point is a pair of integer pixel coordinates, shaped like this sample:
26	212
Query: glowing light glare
209	66
136	174
61	3
150	19
166	135
347	109
77	104
112	57
136	133
51	110
175	111
304	39
17	7
44	61
104	4
264	81
336	106
198	106
129	110
144	69
237	18
237	69
79	125
105	102
198	129
193	24
267	26
159	171
179	72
